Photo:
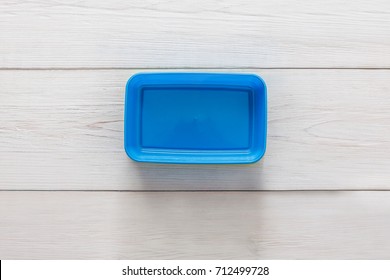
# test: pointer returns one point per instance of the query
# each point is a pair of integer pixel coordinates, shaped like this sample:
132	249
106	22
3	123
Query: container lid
195	118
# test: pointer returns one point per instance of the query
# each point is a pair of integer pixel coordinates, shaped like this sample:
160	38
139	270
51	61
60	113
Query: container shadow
191	225
191	177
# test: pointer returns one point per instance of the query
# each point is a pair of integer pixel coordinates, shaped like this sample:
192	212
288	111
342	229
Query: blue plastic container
195	118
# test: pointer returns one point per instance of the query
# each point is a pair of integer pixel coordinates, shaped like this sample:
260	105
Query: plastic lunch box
195	118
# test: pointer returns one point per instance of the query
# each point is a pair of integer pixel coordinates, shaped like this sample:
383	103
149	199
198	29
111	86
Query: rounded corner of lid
132	153
260	82
134	80
258	156
258	152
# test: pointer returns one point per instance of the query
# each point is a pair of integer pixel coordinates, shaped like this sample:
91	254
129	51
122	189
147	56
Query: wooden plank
64	130
194	225
163	34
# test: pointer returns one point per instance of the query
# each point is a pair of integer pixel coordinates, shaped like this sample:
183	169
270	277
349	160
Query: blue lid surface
195	118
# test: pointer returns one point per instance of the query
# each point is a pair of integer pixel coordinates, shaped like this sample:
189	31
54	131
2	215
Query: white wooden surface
64	130
63	67
194	33
193	225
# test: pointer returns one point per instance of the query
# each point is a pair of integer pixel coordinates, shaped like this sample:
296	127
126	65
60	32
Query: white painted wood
194	225
194	33
63	130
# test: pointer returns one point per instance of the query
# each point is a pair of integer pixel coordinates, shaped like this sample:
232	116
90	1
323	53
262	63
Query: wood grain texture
194	33
64	130
194	225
